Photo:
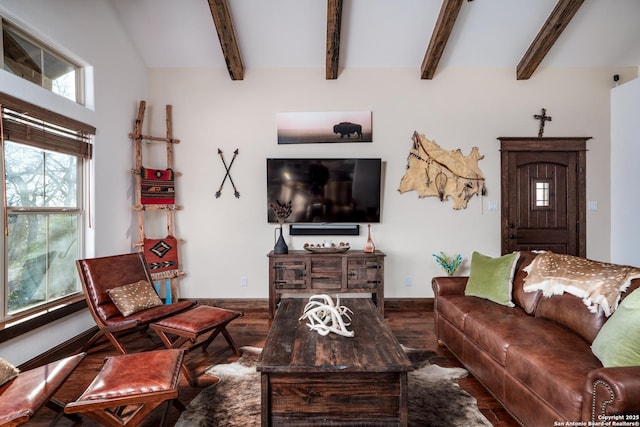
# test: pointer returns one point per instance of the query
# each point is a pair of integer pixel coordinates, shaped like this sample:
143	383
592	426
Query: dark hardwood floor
413	328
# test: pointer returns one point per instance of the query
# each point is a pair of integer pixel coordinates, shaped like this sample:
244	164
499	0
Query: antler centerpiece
324	316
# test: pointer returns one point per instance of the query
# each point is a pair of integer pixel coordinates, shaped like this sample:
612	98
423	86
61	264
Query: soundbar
324	229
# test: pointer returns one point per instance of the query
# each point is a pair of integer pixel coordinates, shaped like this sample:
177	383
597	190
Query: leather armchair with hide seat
99	276
121	299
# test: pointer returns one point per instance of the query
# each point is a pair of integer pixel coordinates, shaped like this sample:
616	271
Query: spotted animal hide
599	284
433	171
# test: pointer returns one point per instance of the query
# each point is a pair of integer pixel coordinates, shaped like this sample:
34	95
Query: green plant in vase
449	265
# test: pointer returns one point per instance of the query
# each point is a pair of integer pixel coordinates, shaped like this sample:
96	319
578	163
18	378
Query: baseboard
390	304
408	304
76	343
238	304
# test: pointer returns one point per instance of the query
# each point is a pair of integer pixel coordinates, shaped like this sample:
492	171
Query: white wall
625	157
91	34
228	238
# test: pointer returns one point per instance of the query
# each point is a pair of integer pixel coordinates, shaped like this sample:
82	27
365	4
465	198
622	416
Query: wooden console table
309	380
303	272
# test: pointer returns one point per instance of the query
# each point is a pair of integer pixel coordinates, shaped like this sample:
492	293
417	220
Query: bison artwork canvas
324	127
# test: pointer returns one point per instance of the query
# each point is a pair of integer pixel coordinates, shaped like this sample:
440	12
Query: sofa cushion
570	311
554	370
134	297
530	410
492	278
494	332
527	300
618	342
455	308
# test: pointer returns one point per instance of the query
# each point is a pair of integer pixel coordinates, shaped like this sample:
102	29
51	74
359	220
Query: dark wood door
543	194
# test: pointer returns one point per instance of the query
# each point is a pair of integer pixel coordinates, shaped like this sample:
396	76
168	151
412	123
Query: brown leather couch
535	358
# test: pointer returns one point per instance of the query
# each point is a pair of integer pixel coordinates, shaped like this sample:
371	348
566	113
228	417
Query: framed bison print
324	127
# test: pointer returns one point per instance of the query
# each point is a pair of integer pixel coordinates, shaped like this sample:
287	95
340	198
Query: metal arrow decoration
228	174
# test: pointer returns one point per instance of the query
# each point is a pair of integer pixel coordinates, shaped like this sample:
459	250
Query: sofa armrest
611	391
445	285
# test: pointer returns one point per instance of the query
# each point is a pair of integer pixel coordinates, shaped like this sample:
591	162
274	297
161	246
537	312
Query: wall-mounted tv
325	190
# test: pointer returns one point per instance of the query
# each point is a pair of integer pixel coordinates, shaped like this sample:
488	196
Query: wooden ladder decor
165	202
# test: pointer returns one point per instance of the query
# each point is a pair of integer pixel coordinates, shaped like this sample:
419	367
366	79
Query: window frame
77	212
79	97
28	319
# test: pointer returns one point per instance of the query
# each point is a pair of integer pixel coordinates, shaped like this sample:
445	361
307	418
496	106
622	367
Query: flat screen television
325	190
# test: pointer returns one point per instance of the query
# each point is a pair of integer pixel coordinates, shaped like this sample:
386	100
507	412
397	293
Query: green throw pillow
618	342
492	278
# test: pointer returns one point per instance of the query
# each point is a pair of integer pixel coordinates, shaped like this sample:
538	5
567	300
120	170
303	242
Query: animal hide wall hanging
432	171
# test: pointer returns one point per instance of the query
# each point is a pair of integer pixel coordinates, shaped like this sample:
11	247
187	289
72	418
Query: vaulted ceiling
425	34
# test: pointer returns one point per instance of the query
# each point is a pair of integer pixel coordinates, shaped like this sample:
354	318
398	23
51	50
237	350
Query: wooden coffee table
309	379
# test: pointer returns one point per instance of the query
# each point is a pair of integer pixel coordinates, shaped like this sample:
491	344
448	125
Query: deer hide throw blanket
599	284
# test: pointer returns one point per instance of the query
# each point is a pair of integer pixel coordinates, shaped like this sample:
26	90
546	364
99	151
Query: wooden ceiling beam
334	23
547	36
227	36
444	25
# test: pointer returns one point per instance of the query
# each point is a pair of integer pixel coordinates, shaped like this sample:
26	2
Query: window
542	194
28	58
45	157
44	225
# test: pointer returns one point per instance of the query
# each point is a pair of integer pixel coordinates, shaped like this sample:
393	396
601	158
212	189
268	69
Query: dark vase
281	246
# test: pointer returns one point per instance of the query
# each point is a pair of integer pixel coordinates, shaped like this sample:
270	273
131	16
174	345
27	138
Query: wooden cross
543	118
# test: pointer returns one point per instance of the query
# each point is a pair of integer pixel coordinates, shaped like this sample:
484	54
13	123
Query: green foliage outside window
44	225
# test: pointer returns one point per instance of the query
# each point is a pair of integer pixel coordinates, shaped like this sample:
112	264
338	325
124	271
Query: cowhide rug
435	399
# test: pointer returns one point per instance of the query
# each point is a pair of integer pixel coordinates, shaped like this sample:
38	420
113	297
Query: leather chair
98	275
23	396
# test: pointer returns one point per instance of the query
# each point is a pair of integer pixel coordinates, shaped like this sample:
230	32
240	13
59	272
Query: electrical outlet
408	281
244	282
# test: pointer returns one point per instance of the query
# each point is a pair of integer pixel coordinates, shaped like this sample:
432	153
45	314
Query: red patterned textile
158	187
161	256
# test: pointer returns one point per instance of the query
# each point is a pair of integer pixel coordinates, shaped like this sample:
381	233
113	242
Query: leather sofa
535	358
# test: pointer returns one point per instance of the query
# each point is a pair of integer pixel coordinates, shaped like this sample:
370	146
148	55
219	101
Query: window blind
38	127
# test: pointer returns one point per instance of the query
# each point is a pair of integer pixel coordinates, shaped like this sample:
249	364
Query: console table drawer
302	272
326	273
289	274
364	273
